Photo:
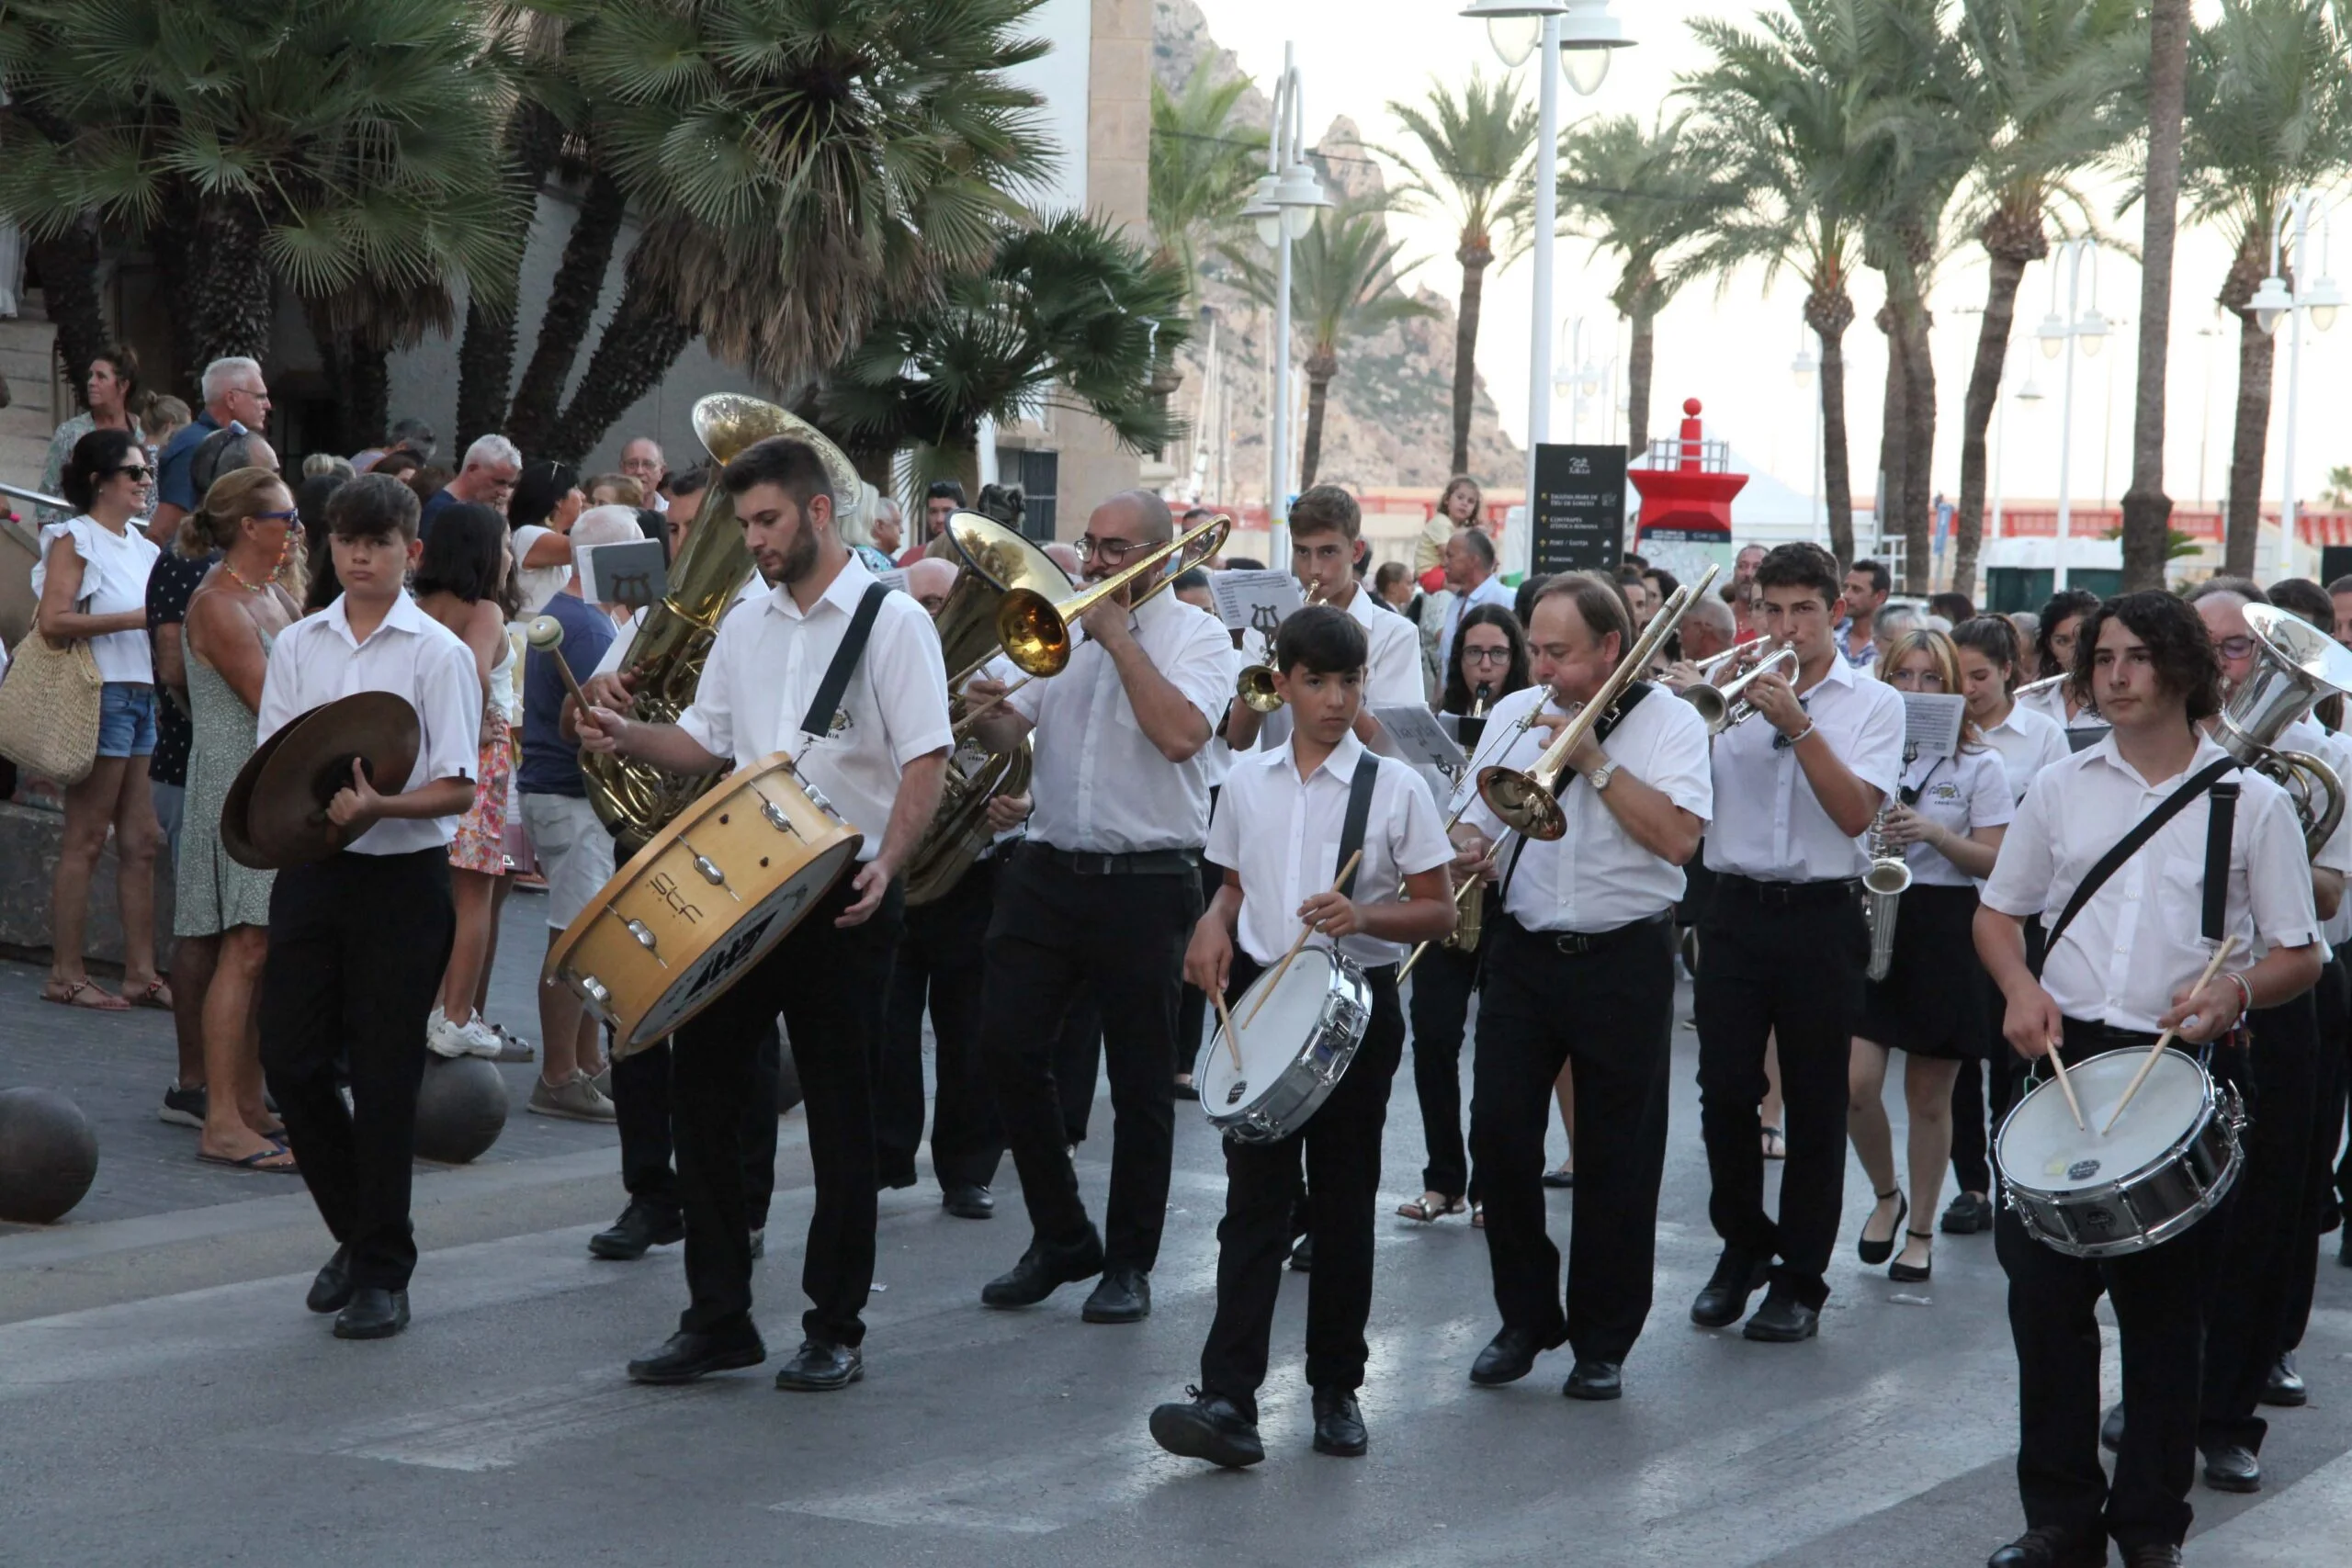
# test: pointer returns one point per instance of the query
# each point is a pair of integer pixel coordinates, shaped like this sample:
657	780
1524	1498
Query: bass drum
693	912
1292	1053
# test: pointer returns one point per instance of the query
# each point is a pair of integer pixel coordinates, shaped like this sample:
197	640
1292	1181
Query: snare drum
2170	1160
1293	1053
693	910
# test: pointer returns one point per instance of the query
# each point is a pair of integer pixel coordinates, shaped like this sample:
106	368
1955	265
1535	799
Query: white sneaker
479	1039
442	1037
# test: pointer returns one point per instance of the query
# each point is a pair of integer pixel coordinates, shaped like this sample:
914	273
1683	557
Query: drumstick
2066	1087
1232	1041
546	634
2148	1062
1304	930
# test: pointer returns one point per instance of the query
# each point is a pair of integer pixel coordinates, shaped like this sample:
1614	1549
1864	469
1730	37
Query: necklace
261	587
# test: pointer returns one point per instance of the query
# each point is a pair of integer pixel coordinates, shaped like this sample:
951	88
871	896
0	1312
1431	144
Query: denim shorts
125	719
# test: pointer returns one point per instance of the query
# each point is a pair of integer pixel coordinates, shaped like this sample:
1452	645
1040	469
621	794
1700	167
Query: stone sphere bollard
49	1155
460	1108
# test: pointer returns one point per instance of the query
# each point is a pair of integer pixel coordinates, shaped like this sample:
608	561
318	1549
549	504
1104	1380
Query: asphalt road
164	1398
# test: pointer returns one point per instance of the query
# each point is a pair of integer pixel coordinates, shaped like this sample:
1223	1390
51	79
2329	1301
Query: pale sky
1733	353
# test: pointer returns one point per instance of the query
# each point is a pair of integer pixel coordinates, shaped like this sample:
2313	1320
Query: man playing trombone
1784	941
1581	968
1101	897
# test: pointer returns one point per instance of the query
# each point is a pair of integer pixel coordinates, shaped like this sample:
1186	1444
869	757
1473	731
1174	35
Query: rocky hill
1389	422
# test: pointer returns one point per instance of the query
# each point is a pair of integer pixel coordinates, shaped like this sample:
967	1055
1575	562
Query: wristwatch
1599	778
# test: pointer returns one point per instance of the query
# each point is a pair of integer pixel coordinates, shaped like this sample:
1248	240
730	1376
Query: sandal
74	991
1426	1212
1775	1146
1477	1216
1564	1177
257	1160
156	993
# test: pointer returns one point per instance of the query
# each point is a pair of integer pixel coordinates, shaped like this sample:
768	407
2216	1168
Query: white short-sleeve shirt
2140	937
763	673
1391	676
2027	740
1282	834
409	654
1767	823
1962	793
1100	785
1594	877
114	582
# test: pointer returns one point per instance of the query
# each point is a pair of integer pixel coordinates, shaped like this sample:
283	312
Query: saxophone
1883	886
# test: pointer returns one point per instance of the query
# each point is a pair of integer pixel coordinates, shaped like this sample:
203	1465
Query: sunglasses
139	471
286	516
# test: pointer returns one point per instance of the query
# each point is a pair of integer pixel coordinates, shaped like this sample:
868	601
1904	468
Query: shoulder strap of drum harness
1625	704
2221	823
1359	818
819	721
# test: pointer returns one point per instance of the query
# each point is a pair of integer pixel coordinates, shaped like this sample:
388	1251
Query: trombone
1255	687
1034	631
1724	707
1526	800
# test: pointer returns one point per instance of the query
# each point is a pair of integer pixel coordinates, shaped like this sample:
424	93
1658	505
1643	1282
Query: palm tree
1473	167
2147	511
1069	308
1342	289
1202	166
2270	111
1780	133
1640	193
2042	92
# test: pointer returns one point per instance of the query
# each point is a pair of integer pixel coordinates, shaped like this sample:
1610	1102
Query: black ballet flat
1877	1252
1904	1273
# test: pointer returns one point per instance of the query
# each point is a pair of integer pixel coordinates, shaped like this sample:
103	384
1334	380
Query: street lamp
1283	208
2319	299
1802	370
2057	335
1589	36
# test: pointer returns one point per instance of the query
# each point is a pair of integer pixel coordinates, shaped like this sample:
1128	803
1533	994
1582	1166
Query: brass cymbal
280	797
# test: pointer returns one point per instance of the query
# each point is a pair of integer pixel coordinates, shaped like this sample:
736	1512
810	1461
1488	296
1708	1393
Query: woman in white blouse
1947	825
90	582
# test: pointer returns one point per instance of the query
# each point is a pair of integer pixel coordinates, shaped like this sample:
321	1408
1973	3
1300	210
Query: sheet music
628	571
1421	739
1932	723
1254	601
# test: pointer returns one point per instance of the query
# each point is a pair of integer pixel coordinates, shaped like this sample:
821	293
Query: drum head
748	941
1271	1040
2042	1147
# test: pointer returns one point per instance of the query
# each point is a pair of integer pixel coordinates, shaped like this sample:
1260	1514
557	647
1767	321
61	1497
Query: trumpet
1707	667
2041	685
1526	801
1724	706
1255	687
1035	630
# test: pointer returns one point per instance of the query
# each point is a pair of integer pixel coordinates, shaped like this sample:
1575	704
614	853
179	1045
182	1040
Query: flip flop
151	995
254	1161
1776	1146
71	998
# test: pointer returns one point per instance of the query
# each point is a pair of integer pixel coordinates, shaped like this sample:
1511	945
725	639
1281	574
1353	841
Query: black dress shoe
2111	1429
692	1353
1302	1257
2233	1467
1339	1424
1782	1320
640	1227
1595	1379
1508	1357
968	1201
1724	1300
1123	1296
892	1181
1041	1271
821	1368
1207	1426
1967	1214
2047	1546
331	1289
2149	1555
2284	1386
374	1313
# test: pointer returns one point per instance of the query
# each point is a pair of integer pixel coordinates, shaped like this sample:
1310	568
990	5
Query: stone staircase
27	358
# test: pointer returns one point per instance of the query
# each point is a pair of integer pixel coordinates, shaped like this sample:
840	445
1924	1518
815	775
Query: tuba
2296	664
633	798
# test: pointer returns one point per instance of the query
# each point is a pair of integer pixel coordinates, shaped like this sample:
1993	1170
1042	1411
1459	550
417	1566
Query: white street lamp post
1802	369
1283	206
2319	299
2057	334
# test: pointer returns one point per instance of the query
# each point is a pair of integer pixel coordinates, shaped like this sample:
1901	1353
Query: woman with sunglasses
1489	664
90	582
248	516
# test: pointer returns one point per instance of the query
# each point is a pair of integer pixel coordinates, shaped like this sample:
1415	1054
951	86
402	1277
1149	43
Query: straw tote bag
49	708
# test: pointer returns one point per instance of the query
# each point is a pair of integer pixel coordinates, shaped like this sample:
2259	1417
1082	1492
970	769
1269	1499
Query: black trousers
641	1101
1794	970
1443	982
357	945
2246	1312
2159	1308
1078	1066
1057	935
829	985
2333	998
1984	1092
1340	1150
1611	1012
942	962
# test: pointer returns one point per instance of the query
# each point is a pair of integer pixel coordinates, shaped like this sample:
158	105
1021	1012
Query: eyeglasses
2236	648
139	471
1486	656
1111	552
258	394
289	515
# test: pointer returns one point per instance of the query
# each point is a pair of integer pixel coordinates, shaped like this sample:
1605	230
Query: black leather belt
1577	943
2105	1037
1144	862
1787	893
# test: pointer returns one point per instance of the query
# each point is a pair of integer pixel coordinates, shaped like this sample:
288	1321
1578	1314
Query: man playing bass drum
1580	968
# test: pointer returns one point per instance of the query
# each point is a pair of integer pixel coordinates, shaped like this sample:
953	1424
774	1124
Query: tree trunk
2257	351
218	284
1895	431
572	305
1836	463
640	344
1641	364
1320	368
1475	260
486	354
1919	440
2011	242
2146	508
